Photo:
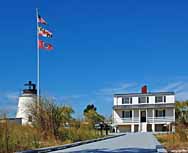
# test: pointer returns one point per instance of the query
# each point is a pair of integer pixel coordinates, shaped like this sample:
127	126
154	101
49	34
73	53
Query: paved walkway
133	143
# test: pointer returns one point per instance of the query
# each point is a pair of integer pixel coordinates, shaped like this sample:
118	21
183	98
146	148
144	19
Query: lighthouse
26	99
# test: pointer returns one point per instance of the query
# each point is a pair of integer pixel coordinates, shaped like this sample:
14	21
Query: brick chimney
144	89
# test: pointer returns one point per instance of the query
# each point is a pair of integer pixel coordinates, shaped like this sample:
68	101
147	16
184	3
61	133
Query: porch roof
141	106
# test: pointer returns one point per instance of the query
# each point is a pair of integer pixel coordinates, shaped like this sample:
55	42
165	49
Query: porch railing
148	119
160	119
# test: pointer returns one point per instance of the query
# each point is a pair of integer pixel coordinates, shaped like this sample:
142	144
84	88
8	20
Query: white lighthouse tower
27	97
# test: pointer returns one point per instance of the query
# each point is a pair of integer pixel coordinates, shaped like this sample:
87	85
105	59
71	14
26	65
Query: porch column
113	116
174	115
132	125
115	129
139	120
146	114
153	122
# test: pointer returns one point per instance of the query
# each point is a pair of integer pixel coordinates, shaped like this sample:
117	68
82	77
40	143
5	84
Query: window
159	99
128	114
160	113
142	100
127	100
30	118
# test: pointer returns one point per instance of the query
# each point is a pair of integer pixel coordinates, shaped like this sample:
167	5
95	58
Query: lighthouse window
30	118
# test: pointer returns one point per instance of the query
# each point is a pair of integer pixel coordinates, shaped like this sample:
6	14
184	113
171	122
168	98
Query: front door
143	116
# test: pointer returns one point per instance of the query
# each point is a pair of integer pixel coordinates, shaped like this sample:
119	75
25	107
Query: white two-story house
144	112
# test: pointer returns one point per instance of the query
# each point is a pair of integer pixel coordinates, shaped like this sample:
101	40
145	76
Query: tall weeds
52	125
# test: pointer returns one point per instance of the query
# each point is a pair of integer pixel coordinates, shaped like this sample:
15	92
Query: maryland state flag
41	20
43	32
45	46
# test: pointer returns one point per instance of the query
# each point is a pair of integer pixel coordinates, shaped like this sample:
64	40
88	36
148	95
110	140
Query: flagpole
38	61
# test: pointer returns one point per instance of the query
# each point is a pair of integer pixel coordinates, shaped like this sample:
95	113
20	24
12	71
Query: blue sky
101	48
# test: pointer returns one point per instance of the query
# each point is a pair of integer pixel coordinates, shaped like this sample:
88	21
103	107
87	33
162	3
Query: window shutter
123	114
156	113
147	99
130	100
130	114
163	112
164	98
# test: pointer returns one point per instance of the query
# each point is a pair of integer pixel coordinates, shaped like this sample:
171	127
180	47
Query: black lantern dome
31	88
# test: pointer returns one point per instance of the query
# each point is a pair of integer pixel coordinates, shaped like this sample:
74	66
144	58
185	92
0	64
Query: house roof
145	94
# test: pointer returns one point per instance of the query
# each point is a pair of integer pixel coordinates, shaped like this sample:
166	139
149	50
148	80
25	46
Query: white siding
115	100
149	112
151	99
169	112
134	100
119	100
136	113
117	116
170	99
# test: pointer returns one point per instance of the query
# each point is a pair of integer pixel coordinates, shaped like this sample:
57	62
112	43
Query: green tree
92	116
182	112
90	107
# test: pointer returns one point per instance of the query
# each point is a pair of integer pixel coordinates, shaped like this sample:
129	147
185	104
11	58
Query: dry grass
14	137
178	140
17	137
52	125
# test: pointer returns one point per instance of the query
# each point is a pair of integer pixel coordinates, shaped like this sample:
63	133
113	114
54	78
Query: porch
144	120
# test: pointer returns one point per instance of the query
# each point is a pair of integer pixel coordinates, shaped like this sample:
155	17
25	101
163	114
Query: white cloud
120	88
180	88
172	87
12	96
182	96
9	101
